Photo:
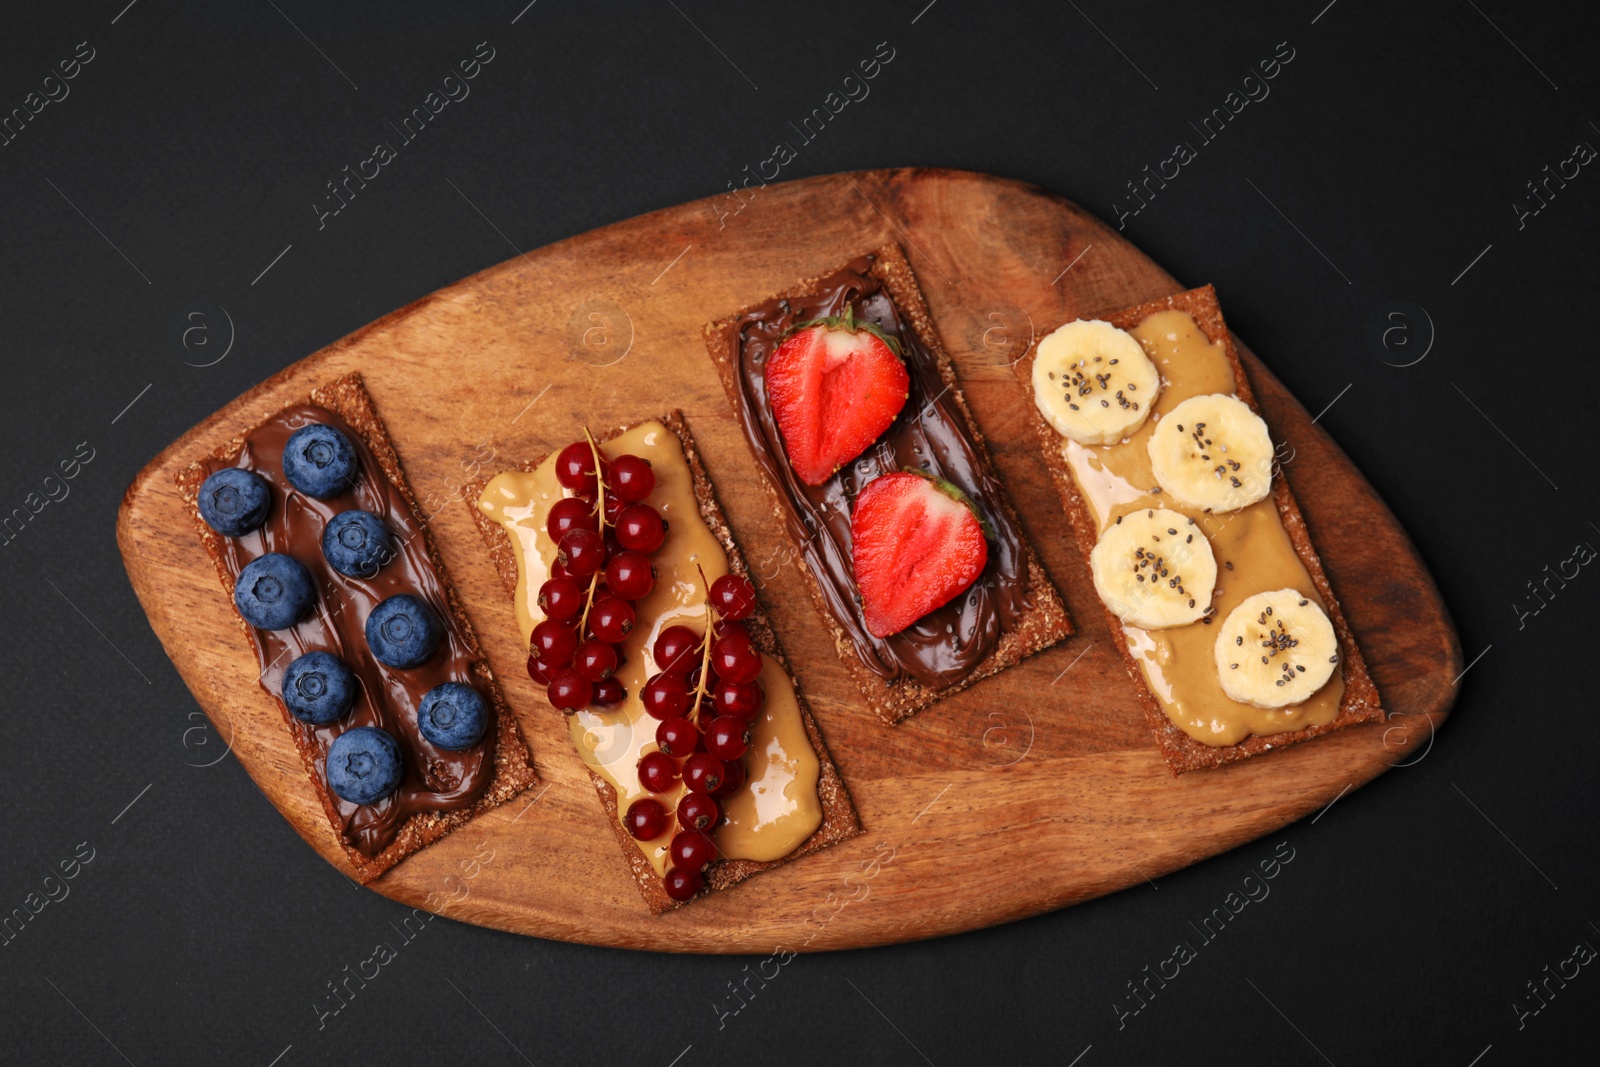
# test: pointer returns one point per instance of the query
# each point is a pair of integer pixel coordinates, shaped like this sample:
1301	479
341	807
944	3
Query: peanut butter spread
778	808
1252	550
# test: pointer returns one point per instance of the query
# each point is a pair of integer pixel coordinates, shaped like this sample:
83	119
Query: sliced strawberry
918	543
835	384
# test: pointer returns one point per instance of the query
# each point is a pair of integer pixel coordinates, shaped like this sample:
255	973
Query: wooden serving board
1033	790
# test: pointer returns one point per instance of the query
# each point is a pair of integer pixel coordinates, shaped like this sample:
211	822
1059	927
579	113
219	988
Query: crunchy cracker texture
513	765
839	818
1044	624
1182	752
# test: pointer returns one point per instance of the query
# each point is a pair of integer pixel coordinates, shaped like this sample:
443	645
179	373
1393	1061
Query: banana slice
1212	452
1276	649
1093	382
1154	569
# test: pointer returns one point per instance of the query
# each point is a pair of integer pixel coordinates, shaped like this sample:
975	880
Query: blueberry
364	765
318	688
403	631
357	543
319	461
234	501
453	716
273	592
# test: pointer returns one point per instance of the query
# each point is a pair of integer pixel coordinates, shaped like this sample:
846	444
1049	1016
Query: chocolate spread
929	434
434	780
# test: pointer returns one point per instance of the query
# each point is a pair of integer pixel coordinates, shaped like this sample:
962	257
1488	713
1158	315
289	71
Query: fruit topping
632	478
234	501
273	592
1212	452
1093	382
453	716
319	688
320	461
1276	649
835	384
646	819
918	543
403	631
357	543
363	765
733	597
1154	569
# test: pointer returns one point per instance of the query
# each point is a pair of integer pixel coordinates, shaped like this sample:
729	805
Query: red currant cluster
710	677
604	535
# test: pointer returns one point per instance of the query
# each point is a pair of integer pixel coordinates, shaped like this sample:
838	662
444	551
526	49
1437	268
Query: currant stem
600	513
705	651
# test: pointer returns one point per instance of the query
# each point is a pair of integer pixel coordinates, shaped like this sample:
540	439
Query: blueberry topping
319	461
357	543
453	716
318	688
404	631
364	765
273	592
234	501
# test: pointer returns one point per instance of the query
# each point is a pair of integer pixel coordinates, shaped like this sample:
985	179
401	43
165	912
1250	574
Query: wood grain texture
1035	789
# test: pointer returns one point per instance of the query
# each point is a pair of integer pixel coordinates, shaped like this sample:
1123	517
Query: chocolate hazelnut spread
434	780
929	434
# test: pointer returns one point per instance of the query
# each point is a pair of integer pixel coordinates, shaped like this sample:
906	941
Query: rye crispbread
1041	626
348	398
1182	752
839	819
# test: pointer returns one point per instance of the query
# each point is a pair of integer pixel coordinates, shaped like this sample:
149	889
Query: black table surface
1366	215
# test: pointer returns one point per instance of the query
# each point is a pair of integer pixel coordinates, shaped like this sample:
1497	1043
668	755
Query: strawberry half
835	384
918	543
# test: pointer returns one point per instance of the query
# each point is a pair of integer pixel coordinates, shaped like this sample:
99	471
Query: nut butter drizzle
930	434
1252	549
435	780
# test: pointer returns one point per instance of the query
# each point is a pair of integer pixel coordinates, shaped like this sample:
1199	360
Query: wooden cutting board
1036	789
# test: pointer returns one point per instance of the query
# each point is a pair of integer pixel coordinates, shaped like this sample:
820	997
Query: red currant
692	679
733	597
554	643
727	737
697	811
630	576
677	649
646	819
735	658
575	468
682	885
536	670
558	569
677	736
611	619
569	513
561	599
691	850
613	505
582	552
732	780
595	660
703	772
569	690
665	696
632	478
658	772
741	700
608	691
641	528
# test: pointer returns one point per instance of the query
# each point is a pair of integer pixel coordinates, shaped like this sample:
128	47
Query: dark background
1397	141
